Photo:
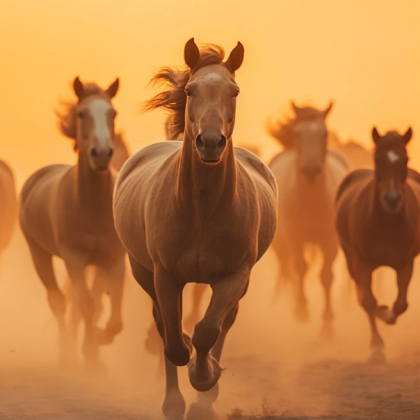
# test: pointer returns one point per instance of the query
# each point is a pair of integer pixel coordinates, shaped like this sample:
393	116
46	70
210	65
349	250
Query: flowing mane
283	131
174	80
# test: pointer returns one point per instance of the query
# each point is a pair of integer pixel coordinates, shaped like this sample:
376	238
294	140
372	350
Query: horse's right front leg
169	297
86	305
174	403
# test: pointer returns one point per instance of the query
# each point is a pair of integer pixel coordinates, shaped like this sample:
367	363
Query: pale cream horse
197	211
308	175
66	211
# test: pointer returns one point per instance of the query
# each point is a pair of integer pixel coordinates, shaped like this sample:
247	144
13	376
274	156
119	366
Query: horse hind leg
204	369
57	302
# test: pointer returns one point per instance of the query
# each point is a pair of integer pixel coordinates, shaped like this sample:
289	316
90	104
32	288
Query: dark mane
173	99
67	115
282	131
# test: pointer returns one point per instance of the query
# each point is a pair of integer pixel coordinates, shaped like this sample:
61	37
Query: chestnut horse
197	211
308	174
9	206
66	211
378	223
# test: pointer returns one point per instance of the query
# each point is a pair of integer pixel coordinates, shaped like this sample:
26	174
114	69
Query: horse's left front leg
329	249
204	369
400	305
115	274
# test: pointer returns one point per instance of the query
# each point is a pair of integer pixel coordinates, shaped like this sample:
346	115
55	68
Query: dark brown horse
66	211
378	223
308	174
196	211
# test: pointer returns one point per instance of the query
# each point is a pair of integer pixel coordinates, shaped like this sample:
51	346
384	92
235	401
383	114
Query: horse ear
78	87
375	135
327	111
294	107
407	136
191	54
113	88
236	58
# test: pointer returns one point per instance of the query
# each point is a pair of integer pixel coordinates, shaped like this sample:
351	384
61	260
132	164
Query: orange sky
364	54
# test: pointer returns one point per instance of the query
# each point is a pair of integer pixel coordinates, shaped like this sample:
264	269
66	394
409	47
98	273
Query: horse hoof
377	357
386	315
174	406
302	314
204	381
198	412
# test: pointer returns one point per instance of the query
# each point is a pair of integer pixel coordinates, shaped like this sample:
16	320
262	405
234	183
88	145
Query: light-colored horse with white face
196	211
66	211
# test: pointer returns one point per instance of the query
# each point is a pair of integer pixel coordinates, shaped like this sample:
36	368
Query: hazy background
362	54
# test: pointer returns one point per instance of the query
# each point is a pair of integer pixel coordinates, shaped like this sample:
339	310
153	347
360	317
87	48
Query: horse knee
205	335
57	301
327	278
368	303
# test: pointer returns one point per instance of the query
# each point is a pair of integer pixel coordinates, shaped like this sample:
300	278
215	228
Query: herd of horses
196	209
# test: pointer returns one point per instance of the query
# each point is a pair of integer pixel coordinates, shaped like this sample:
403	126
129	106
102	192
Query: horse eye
188	92
236	93
81	114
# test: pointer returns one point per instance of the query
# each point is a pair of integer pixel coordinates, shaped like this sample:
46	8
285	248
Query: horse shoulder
256	165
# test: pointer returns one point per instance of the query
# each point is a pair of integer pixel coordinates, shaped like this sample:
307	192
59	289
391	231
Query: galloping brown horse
9	206
198	211
378	223
66	211
308	175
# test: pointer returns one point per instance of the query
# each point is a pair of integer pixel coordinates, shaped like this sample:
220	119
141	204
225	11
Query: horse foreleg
203	408
198	293
174	403
169	297
329	250
301	267
400	305
363	277
87	308
44	268
204	369
115	285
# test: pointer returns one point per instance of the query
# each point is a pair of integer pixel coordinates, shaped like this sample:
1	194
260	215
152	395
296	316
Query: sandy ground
275	367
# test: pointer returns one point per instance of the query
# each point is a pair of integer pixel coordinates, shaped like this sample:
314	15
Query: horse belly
196	266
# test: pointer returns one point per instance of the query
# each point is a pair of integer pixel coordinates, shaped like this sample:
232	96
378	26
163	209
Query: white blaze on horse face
392	156
99	110
212	77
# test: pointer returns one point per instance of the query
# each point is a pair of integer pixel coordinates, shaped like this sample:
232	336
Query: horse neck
94	188
201	187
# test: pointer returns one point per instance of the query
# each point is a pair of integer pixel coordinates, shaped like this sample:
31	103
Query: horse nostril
199	142
110	153
222	143
94	153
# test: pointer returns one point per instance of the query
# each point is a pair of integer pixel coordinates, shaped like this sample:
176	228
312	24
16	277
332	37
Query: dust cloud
275	366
